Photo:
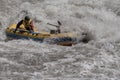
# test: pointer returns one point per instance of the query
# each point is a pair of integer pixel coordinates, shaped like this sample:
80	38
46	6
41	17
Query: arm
32	26
18	25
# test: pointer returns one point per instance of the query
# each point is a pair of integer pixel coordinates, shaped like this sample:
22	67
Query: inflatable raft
52	37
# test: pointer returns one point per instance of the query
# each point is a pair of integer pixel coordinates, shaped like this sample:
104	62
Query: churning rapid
99	59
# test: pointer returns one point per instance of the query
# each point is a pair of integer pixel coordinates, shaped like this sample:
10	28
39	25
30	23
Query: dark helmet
27	18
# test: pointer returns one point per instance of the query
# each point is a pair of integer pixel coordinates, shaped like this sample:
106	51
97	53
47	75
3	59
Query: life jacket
27	24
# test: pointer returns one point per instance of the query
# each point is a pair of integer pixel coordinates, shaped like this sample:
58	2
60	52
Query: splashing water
28	60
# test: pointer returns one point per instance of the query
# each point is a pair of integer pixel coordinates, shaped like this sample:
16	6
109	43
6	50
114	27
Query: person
28	24
57	26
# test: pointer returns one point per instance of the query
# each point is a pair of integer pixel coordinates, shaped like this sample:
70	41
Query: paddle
23	30
33	33
57	26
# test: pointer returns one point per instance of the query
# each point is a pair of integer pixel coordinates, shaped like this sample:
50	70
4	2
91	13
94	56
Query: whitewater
99	59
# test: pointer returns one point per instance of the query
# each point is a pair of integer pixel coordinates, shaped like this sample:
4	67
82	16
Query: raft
52	37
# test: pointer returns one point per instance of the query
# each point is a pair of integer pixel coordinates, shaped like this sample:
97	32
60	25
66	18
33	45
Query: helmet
27	18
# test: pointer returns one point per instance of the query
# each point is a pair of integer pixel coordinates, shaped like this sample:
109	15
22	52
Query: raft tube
65	39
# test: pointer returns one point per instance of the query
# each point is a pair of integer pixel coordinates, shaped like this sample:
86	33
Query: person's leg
27	28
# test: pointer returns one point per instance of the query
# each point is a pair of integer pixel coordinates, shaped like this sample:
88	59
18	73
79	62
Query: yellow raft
65	39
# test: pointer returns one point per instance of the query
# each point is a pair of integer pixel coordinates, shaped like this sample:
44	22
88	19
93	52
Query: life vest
27	23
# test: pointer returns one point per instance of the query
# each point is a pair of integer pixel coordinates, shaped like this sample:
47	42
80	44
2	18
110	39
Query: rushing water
28	60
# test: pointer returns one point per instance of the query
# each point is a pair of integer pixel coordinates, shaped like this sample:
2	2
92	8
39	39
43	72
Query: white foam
99	59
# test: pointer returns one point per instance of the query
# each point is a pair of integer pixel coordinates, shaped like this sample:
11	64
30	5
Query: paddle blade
59	23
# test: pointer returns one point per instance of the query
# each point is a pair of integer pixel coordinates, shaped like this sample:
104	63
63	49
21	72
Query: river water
99	59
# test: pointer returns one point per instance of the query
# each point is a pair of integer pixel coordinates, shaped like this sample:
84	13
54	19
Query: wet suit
28	25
